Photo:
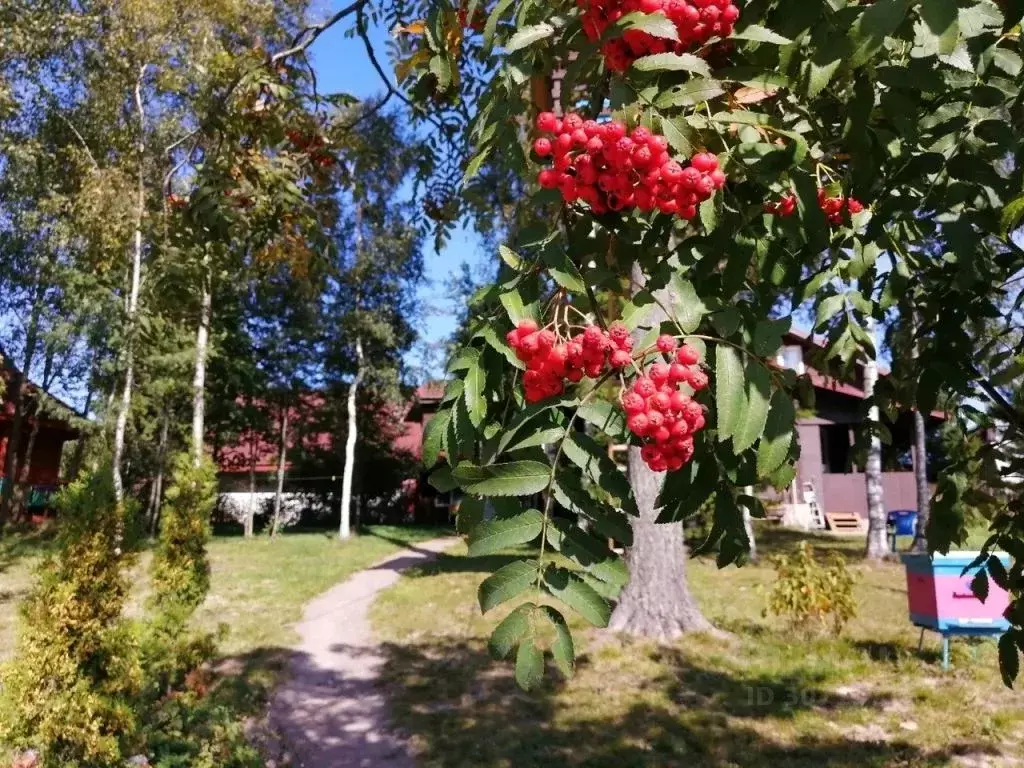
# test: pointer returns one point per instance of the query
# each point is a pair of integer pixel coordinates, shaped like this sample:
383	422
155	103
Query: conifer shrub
70	690
812	596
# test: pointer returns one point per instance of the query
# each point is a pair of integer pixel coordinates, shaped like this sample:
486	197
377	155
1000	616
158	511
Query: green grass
764	698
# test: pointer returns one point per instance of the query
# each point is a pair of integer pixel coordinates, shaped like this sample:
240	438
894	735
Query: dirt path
329	712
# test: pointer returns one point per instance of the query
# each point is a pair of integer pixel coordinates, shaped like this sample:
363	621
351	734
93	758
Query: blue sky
342	67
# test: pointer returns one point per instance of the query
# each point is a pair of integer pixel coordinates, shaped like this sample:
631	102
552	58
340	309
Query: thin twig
309	35
85	146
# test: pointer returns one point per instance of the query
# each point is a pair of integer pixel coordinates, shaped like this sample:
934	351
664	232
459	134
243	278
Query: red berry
680	401
659	373
660	402
655	420
666	344
638	424
620	359
678	373
548	179
542	147
632	403
704	162
698	380
644	387
687	355
547	122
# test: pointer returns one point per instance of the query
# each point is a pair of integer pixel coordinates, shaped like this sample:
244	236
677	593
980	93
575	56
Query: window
835	449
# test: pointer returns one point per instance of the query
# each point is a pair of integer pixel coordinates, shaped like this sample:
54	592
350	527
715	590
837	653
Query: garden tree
69	690
372	282
878	541
818	136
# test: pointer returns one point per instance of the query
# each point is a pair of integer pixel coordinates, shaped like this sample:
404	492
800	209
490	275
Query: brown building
827	471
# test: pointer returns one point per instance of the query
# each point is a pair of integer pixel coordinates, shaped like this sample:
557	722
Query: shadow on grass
15	546
459	709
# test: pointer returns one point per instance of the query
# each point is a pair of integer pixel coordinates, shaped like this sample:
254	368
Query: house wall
46	454
848	493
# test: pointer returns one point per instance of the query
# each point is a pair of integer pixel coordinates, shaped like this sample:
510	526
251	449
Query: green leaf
673	62
1012	215
606	417
730	397
492	22
466	359
869	31
432	435
687	490
506	583
829	308
534	439
562	648
608	522
490	335
759	34
515	307
529	665
441	479
578	595
694	92
470	514
495	535
585	453
654	24
510	632
688	307
979	585
515	478
779	432
751	422
1009	658
476	386
510	257
527	36
587	551
768	335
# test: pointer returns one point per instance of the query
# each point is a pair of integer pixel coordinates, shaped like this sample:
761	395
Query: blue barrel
903	521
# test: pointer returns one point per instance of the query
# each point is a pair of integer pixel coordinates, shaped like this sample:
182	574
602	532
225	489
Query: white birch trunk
877	544
282	459
350	447
199	380
125	406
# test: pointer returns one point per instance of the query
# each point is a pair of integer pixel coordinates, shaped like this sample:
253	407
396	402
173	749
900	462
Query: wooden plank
844	522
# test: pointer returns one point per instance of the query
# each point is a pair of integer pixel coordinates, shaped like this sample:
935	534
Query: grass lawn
258	590
765	698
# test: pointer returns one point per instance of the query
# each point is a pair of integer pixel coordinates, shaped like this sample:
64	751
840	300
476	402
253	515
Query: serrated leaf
441	479
495	535
529	665
514	478
673	62
585	453
587	551
751	422
654	24
562	648
476	386
543	437
779	432
829	308
527	36
490	335
685	491
979	585
511	631
689	94
768	335
432	435
491	27
688	307
759	34
605	416
510	257
516	308
578	595
506	583
730	391
1009	659
470	514
1012	214
610	523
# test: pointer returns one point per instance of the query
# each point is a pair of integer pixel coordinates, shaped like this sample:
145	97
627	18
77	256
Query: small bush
70	689
811	596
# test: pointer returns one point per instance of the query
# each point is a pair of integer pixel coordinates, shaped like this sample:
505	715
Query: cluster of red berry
832	206
314	146
599	164
696	22
660	412
550	363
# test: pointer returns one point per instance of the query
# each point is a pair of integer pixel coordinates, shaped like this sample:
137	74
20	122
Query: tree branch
85	146
309	35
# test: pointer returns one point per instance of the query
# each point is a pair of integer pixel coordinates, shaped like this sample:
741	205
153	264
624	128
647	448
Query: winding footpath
329	711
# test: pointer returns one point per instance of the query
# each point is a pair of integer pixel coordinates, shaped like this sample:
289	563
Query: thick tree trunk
158	481
282	458
199	380
125	407
748	526
878	543
345	529
16	396
656	602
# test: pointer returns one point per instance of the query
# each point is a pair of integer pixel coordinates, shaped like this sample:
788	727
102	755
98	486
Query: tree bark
282	458
657	602
124	410
199	380
248	524
16	396
158	481
878	543
748	526
345	529
924	493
